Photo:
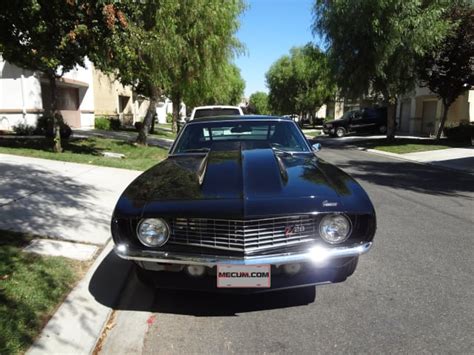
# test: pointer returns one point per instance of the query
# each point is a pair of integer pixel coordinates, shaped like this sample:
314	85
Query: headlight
153	232
328	125
334	228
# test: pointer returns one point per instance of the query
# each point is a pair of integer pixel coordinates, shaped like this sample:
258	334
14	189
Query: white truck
207	111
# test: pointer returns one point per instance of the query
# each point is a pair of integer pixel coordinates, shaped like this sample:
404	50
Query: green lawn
407	145
311	133
161	131
87	151
31	288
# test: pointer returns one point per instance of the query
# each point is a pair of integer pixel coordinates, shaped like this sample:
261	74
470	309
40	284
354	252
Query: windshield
230	134
216	112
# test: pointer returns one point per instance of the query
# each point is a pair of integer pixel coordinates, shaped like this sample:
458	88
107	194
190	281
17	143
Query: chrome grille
246	236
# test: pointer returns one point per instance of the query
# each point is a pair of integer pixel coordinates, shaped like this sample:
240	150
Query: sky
269	29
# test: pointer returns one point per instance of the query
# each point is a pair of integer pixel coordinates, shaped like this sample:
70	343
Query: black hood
239	182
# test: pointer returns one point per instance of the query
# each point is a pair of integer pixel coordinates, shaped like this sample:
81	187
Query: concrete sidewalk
459	159
61	200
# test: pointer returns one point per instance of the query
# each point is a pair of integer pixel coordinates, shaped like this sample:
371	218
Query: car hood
240	182
333	121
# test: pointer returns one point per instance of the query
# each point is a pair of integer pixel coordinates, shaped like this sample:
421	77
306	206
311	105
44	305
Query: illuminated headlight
153	232
335	228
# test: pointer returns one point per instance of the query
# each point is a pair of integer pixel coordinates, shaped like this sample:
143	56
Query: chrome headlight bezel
158	223
325	236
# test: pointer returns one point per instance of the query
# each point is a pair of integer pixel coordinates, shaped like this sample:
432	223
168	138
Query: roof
239	118
214	107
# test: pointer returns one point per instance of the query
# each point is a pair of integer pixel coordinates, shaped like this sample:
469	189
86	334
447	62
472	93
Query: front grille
247	236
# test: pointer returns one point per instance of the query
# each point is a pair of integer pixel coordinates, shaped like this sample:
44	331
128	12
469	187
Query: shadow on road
135	296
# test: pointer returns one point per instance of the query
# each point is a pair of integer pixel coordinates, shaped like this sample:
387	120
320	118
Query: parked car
213	111
368	120
243	204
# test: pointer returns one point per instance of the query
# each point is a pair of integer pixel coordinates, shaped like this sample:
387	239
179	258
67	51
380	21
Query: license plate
243	276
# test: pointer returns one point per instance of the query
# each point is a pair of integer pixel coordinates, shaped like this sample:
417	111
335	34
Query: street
412	293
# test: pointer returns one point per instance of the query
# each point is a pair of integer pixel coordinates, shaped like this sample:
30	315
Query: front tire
340	132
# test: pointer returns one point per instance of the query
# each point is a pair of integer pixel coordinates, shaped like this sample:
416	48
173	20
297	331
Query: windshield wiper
196	150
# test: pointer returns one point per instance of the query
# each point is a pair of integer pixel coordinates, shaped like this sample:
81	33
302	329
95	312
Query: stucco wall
20	93
106	95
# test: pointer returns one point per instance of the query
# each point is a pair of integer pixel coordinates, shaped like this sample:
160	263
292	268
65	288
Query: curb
400	157
80	320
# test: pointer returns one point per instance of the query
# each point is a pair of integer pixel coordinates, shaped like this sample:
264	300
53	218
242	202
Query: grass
87	151
311	132
407	145
161	131
31	288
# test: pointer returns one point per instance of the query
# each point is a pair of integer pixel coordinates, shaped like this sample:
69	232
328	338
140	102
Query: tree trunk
176	106
53	111
443	120
391	117
150	115
152	129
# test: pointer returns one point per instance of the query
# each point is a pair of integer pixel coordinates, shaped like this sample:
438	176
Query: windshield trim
191	123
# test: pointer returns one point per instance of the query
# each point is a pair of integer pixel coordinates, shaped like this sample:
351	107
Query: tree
224	87
203	39
174	49
54	36
258	103
373	45
301	82
448	70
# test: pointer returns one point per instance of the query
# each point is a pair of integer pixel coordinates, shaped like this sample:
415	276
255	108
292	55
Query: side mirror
316	147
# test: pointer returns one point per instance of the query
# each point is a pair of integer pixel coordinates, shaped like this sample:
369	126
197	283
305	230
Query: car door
357	122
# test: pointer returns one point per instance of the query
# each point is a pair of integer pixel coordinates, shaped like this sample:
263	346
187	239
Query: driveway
61	200
412	293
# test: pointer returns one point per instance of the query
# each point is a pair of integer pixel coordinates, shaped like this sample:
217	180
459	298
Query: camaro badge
293	229
326	203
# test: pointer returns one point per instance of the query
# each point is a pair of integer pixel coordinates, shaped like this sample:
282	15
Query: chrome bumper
317	254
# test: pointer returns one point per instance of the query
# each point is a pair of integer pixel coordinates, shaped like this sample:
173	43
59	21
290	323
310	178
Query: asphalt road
412	293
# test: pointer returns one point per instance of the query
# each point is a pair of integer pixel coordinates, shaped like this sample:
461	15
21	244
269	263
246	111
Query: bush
102	123
44	126
169	117
138	126
24	129
115	124
464	132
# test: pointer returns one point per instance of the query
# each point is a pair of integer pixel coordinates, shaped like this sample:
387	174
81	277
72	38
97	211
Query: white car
209	111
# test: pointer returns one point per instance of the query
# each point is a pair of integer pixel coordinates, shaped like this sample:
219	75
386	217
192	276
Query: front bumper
315	254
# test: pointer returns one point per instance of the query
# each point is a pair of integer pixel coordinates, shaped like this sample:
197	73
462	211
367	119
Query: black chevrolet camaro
243	204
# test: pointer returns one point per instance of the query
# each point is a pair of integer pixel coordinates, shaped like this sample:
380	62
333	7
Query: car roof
215	107
240	118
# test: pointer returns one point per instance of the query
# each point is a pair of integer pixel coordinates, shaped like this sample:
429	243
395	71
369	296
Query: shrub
24	129
44	126
464	132
102	123
115	124
138	125
169	117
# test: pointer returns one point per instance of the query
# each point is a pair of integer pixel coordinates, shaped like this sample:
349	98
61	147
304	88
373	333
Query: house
420	112
83	94
24	95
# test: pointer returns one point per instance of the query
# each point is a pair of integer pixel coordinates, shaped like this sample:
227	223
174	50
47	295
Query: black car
368	120
243	204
